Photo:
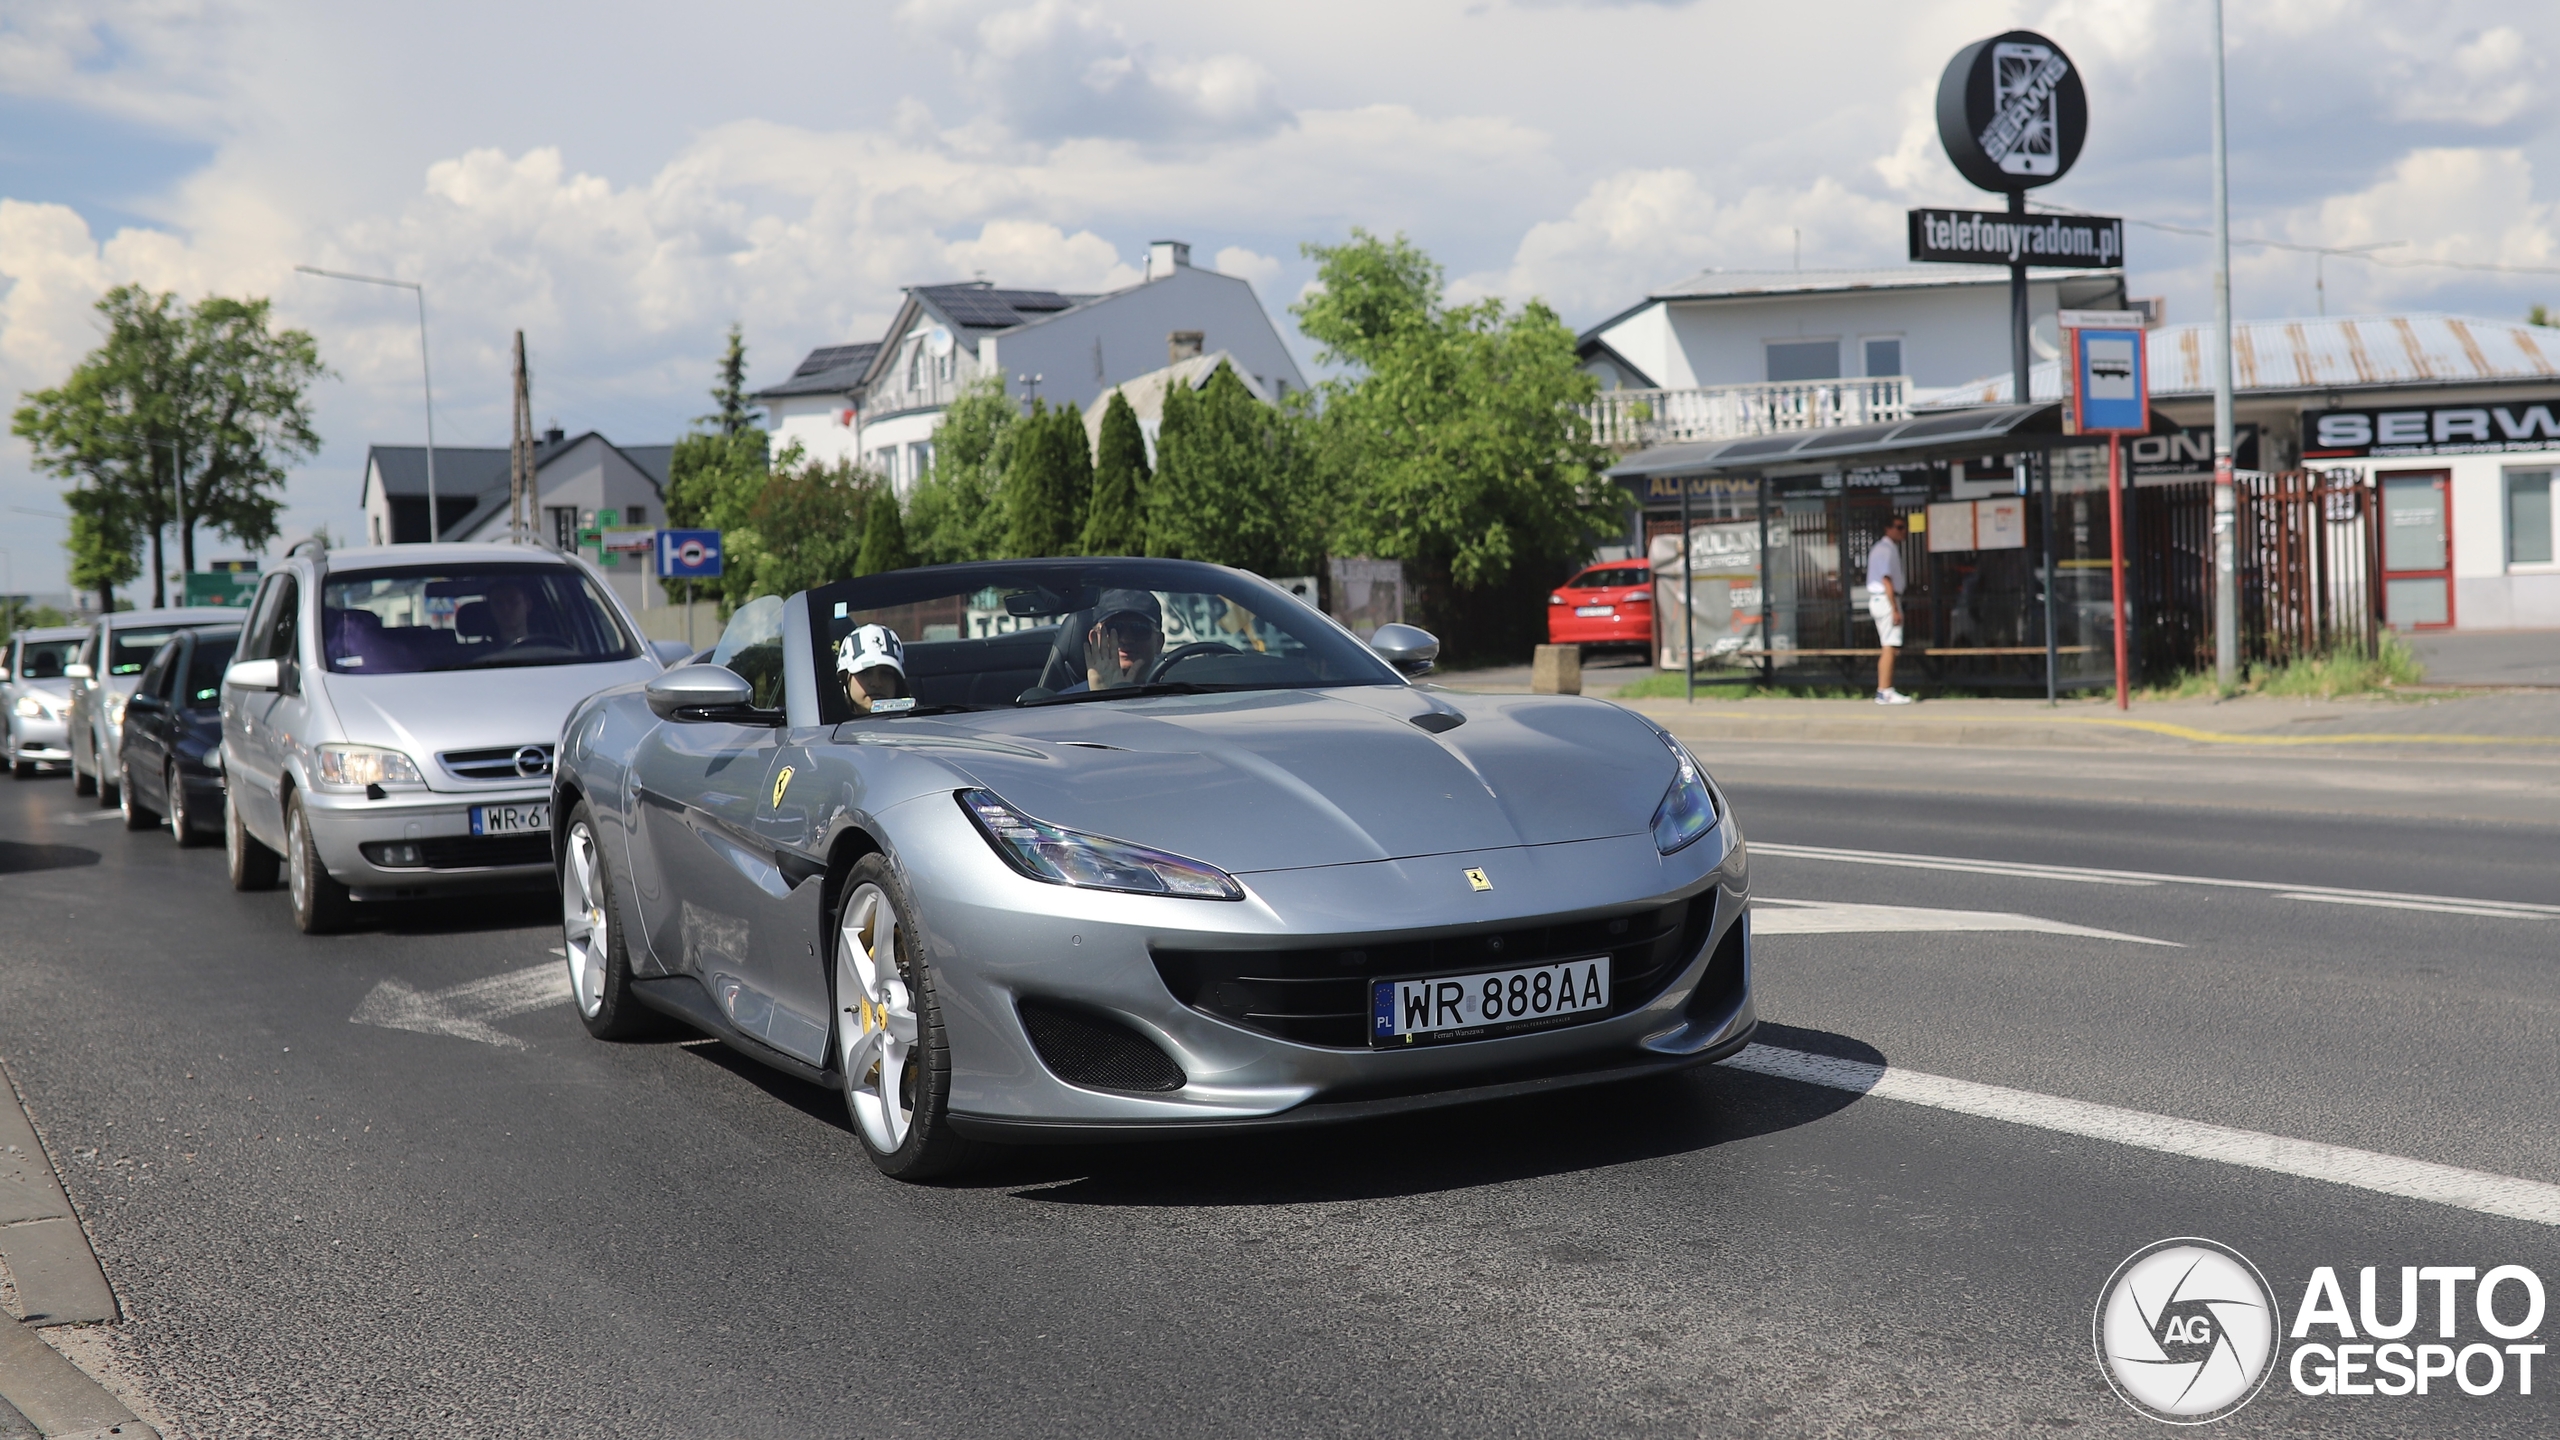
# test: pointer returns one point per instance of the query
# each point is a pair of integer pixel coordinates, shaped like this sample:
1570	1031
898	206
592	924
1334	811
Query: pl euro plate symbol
1469	1006
534	819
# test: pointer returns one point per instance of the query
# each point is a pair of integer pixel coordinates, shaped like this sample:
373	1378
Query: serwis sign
2011	111
2432	430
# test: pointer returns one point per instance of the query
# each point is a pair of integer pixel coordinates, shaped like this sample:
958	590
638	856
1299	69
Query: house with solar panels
880	403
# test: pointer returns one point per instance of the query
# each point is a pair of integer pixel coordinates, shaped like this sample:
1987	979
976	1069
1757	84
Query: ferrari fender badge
1476	879
781	783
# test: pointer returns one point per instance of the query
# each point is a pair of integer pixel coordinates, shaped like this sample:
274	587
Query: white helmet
869	647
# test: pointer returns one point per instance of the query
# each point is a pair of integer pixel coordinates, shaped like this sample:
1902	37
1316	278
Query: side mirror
78	670
700	692
251	675
1409	648
146	701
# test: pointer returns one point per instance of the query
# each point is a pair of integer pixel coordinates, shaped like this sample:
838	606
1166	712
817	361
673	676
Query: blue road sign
2112	389
688	554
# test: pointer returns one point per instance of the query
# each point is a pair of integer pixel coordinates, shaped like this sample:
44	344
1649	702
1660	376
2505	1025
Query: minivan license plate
1455	1007
532	819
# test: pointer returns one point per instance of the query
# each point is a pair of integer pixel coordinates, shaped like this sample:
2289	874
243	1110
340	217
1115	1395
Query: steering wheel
1180	653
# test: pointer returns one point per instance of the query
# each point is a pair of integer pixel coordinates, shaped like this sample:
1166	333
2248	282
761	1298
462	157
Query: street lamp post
2226	509
425	376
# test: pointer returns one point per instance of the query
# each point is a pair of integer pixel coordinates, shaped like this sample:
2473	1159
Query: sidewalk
2514	725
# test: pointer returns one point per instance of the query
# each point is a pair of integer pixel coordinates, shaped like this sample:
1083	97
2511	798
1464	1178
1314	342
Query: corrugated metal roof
2338	352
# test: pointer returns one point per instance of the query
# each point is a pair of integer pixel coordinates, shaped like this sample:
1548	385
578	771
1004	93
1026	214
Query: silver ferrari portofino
1074	849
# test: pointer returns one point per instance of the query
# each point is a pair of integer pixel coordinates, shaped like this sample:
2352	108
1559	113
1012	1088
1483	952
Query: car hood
430	713
1275	780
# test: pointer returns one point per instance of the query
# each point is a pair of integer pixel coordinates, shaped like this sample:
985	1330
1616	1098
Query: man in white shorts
1884	603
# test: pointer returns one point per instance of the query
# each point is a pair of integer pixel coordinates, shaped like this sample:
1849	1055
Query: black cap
1141	603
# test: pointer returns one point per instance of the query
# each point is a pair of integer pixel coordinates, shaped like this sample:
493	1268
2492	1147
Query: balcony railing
1634	419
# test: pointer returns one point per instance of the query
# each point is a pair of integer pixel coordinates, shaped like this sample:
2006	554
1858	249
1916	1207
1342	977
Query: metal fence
2308	557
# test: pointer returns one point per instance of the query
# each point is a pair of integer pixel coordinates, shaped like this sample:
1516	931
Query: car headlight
1688	808
353	767
1092	862
31	708
115	710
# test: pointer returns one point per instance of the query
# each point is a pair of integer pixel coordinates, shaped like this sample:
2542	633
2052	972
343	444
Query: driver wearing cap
1126	638
873	662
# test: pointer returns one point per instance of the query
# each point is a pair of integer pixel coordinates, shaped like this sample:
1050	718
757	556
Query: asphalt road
319	1228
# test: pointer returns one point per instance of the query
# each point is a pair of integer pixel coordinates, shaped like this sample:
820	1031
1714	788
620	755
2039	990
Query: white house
883	407
1935	325
575	480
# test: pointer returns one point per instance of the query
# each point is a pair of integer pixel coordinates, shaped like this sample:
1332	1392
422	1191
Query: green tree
807	528
206	399
1047	477
1115	522
736	415
713	482
1229	481
1457	443
884	536
957	511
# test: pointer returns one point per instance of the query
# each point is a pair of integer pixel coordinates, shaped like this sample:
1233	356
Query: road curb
57	1397
58	1282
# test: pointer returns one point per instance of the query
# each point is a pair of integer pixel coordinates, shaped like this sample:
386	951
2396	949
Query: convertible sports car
1074	849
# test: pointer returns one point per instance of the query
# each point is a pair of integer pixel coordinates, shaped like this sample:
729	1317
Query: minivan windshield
129	650
44	659
1063	632
466	617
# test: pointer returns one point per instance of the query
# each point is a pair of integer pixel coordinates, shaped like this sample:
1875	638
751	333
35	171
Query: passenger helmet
868	647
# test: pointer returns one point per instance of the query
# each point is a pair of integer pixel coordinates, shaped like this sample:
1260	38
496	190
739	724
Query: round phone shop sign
2186	1330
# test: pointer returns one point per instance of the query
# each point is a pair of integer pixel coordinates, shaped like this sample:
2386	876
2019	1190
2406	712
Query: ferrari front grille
1320	995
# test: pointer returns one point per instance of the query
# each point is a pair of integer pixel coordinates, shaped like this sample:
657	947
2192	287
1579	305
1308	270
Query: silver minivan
389	721
103	674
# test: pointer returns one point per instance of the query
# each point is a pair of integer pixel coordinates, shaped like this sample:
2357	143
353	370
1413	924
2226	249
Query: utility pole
520	492
2226	507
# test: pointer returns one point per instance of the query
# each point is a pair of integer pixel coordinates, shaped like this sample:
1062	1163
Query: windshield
1051	632
44	659
477	617
202	687
129	650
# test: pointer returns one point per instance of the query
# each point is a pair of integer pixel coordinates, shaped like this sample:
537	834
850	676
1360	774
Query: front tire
320	904
182	821
591	935
253	865
82	782
135	817
891	1052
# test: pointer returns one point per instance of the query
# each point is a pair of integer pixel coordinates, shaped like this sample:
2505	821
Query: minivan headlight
353	767
115	711
31	708
1092	862
1688	808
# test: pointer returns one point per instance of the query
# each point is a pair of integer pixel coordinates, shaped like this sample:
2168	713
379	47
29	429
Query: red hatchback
1607	604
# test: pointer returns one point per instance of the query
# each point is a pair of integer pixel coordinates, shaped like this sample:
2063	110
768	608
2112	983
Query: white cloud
1052	69
1261	269
1638	230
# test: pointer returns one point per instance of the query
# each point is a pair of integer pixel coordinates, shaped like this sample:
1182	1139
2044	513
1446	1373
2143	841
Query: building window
919	459
1884	355
1804	360
564	527
635	516
2529	517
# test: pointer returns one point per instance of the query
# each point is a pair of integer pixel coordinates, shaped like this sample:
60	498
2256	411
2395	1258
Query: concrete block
1556	670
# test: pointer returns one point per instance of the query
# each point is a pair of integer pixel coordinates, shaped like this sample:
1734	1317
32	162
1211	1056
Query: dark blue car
172	750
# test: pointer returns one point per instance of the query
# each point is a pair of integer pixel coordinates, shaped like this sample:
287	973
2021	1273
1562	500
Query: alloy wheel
585	926
297	870
876	1031
180	827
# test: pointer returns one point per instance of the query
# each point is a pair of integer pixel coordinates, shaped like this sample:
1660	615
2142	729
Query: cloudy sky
622	181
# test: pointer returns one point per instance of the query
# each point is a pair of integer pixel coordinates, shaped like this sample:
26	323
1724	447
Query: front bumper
343	827
1000	940
47	741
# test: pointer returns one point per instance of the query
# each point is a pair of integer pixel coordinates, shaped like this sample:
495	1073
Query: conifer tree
1229	485
884	536
1115	522
1041	498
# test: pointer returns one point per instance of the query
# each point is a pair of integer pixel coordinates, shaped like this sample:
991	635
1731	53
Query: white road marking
465	1011
2452	1185
2437	906
2020	869
91	817
1822	917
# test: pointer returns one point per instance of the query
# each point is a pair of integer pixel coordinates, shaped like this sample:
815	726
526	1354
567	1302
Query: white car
389	721
102	677
37	695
